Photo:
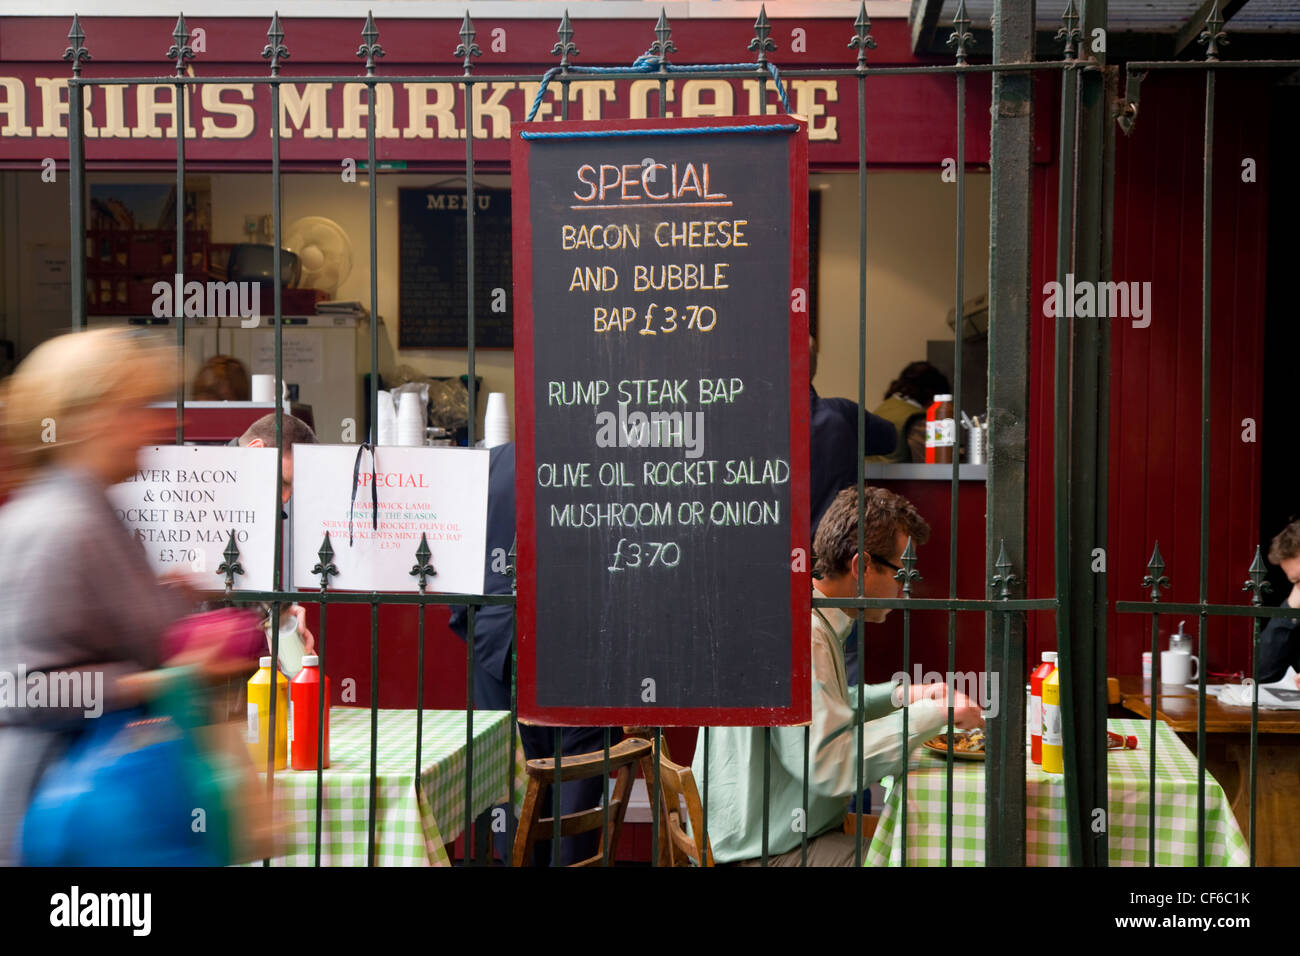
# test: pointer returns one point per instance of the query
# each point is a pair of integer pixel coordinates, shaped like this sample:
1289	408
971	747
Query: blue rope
651	64
674	131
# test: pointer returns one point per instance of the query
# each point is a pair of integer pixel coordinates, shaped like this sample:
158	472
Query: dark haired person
222	378
833	464
1279	643
906	400
735	762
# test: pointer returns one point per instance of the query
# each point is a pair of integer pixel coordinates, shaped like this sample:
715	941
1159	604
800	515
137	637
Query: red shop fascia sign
911	120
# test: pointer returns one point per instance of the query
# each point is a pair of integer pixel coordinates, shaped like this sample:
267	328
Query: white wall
910	262
911	252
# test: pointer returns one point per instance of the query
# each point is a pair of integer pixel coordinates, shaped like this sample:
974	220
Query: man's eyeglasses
885	561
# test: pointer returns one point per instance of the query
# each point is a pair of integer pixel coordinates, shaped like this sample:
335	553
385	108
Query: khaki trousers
829	849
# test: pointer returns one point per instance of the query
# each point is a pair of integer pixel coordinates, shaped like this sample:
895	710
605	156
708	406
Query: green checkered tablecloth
411	825
1045	833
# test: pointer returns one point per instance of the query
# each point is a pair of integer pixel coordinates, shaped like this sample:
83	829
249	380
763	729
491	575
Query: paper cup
264	388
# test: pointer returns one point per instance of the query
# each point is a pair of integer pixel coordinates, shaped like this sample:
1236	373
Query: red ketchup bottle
1040	674
303	704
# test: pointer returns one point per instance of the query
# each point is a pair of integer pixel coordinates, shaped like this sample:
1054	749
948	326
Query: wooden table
1227	757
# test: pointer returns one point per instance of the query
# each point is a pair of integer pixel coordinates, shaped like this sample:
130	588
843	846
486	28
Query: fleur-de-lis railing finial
1004	580
862	39
908	573
961	37
1070	32
1213	35
180	50
325	567
467	49
231	566
77	52
370	48
663	42
423	567
565	47
275	50
1155	578
1256	584
763	43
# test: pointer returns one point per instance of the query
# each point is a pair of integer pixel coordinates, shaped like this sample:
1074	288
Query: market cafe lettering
37	107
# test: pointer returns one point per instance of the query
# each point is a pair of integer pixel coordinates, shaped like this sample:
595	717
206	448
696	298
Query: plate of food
967	745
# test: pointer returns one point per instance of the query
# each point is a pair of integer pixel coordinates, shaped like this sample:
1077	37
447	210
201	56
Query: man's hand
967	713
308	639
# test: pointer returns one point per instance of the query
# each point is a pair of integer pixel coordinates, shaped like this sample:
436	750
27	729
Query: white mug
1178	667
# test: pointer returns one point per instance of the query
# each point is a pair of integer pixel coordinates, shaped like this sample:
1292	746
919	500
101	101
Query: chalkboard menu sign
434	266
662	402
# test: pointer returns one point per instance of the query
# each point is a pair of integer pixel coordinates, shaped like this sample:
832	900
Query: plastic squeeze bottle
940	431
1040	674
1053	759
304	696
259	713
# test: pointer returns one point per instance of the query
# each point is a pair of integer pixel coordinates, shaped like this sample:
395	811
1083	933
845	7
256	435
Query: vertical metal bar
321	706
1083	655
902	776
419	686
704	798
1155	708
180	259
604	807
767	786
374	732
1207	197
468	822
77	198
656	799
803	836
557	811
1006	489
471	387
511	823
860	715
1254	731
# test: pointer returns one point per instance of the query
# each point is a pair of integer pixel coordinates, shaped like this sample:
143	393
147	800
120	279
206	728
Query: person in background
833	462
736	759
261	434
1279	642
222	378
79	596
906	400
493	647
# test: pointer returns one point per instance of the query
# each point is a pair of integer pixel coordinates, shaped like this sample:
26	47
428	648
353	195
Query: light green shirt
735	766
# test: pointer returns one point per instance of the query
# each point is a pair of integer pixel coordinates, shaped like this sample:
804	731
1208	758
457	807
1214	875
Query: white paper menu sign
183	501
440	493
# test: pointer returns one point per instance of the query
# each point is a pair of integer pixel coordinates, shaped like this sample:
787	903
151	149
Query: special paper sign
183	502
440	493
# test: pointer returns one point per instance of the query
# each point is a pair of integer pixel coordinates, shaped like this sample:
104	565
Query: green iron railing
1080	395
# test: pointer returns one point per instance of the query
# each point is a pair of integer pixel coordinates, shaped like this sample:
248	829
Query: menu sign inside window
661	372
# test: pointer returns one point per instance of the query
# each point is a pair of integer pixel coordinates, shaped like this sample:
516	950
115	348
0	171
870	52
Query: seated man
1279	642
735	822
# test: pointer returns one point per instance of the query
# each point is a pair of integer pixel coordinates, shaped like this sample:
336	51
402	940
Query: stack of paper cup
387	419
496	421
410	420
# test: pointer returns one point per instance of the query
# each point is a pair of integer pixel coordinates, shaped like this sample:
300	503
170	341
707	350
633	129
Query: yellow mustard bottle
1053	761
259	713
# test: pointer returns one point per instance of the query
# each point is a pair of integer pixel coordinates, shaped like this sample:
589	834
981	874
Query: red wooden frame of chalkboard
799	711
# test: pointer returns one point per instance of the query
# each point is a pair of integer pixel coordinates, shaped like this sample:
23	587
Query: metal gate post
1083	651
1010	232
